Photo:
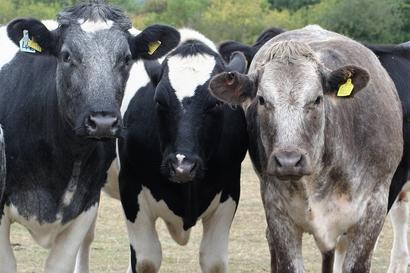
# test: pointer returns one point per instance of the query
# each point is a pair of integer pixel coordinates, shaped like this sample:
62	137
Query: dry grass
248	248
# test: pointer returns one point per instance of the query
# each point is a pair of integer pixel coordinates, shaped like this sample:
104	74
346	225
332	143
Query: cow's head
190	119
94	53
288	91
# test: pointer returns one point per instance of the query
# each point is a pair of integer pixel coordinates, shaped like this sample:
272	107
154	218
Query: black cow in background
226	48
396	60
55	106
180	158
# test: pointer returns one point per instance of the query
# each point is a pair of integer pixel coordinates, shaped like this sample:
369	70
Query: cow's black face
190	119
92	70
94	52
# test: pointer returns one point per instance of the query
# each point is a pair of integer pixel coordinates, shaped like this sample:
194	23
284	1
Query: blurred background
373	21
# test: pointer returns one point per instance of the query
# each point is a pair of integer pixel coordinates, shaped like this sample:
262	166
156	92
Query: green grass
248	249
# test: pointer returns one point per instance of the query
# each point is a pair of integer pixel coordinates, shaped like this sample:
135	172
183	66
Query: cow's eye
127	60
261	100
66	57
318	100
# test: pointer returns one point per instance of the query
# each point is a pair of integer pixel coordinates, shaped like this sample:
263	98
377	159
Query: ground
248	248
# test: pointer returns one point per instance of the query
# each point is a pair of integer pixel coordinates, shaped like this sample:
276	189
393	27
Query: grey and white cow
325	162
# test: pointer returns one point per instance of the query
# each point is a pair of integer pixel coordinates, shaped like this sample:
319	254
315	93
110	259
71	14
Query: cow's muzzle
182	169
103	125
289	165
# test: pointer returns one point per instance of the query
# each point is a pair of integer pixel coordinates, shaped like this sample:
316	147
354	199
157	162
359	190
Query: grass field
248	248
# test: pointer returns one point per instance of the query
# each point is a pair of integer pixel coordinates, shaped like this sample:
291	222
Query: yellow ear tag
345	89
153	46
34	45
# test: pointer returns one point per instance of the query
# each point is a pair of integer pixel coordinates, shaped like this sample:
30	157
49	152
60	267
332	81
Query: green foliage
291	5
366	20
376	21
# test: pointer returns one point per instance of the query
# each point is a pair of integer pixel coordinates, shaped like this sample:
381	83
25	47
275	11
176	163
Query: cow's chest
148	205
47	234
326	219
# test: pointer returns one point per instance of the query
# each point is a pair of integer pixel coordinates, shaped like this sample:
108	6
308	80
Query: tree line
372	21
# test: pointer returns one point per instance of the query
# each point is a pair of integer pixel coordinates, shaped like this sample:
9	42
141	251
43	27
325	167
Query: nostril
300	161
277	160
91	123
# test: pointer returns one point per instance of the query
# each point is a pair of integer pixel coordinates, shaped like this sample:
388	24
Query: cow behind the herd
396	60
325	162
181	155
55	106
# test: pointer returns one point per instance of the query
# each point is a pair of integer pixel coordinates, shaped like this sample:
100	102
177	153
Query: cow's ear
237	63
46	41
346	81
226	49
233	87
154	71
154	42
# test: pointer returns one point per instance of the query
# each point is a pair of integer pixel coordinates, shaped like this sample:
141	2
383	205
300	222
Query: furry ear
346	81
154	42
233	87
37	31
237	63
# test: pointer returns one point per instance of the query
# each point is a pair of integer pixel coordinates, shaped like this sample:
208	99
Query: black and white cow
396	60
55	105
181	154
325	162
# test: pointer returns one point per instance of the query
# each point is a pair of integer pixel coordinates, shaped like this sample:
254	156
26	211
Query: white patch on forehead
190	34
91	26
187	73
180	158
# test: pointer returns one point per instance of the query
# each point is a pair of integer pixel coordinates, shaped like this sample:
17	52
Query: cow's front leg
363	236
82	261
285	238
63	252
146	253
399	216
7	260
213	253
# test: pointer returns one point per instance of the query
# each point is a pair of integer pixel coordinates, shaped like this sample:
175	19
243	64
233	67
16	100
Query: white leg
63	252
213	254
7	260
83	255
144	241
340	254
399	215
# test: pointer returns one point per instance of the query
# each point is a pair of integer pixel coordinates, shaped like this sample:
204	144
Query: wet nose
289	163
102	125
183	169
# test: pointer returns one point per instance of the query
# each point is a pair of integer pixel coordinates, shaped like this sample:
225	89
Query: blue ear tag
24	47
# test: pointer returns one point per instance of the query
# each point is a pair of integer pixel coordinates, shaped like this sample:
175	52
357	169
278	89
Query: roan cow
325	127
180	156
56	104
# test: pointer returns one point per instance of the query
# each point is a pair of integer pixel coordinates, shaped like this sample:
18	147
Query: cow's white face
290	111
284	98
